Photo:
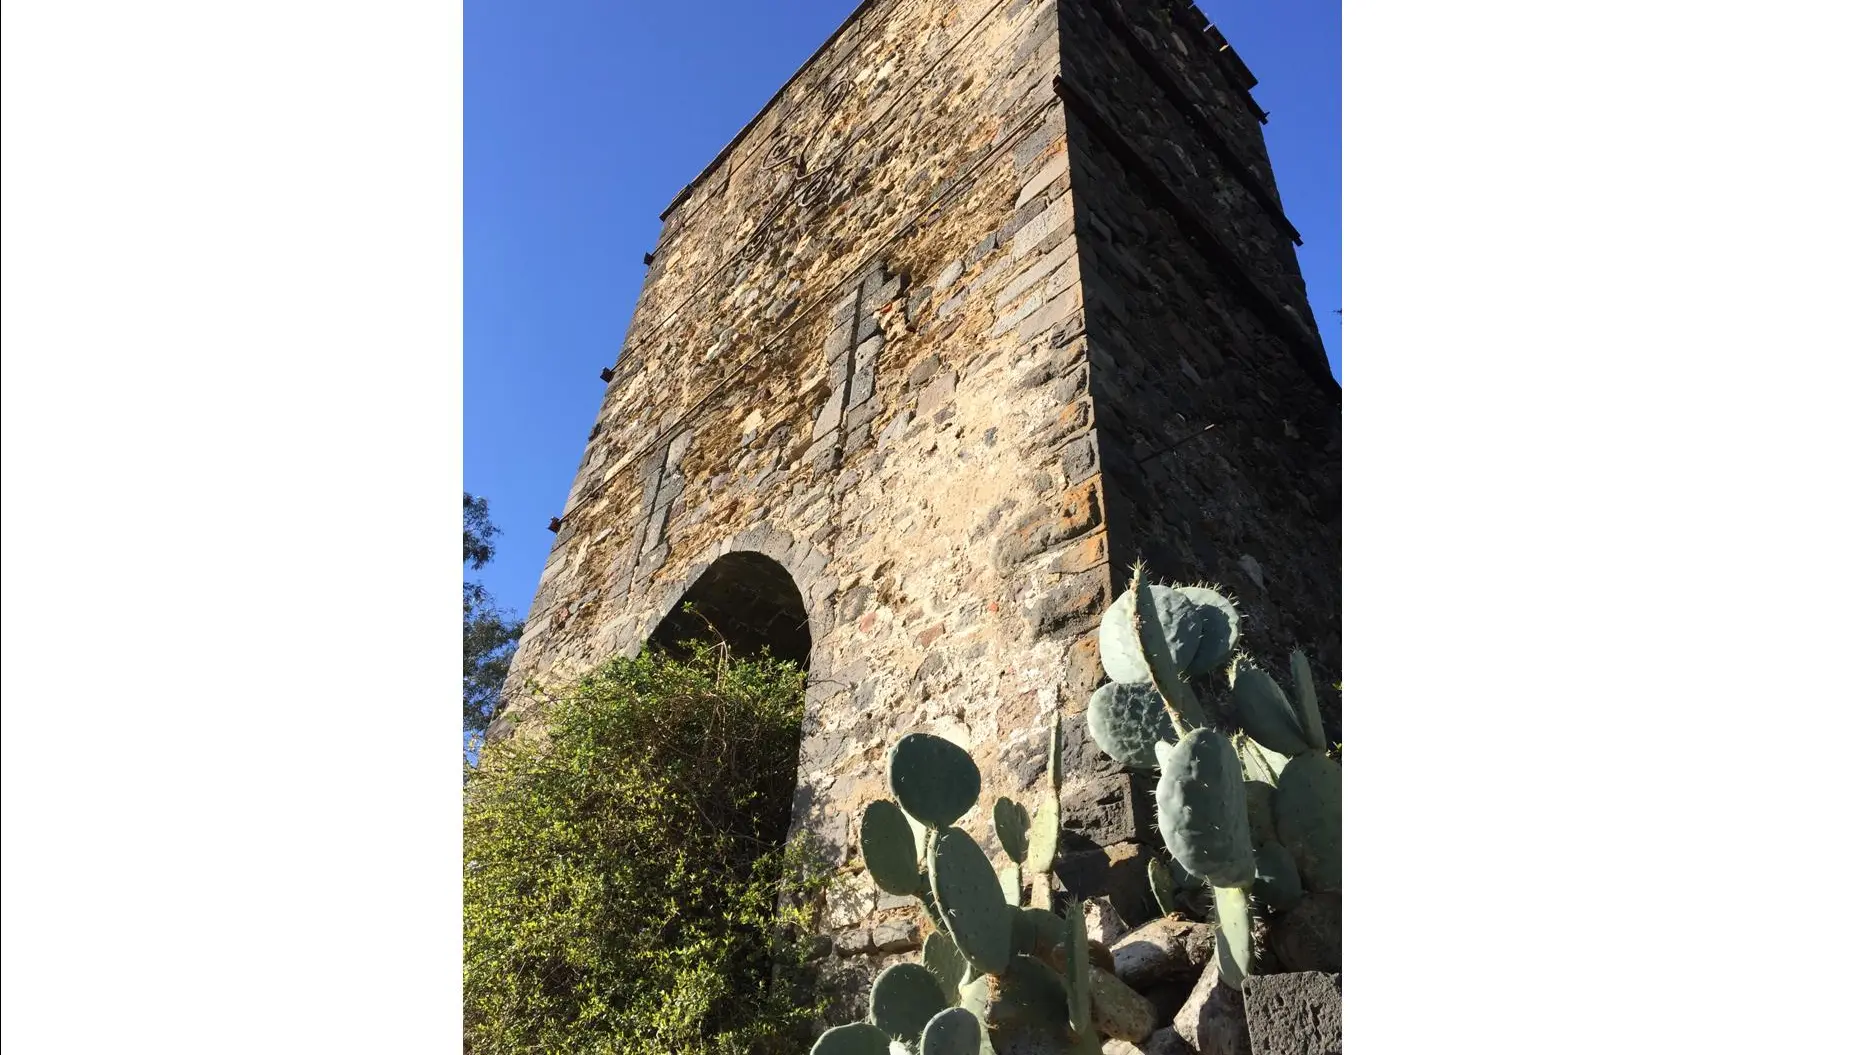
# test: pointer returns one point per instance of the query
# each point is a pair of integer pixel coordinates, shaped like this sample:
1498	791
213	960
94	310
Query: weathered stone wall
1218	419
859	351
920	336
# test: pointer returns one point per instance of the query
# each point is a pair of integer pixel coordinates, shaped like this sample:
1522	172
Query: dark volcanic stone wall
1218	421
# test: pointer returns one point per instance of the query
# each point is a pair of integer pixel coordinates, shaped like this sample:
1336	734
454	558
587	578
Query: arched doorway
746	600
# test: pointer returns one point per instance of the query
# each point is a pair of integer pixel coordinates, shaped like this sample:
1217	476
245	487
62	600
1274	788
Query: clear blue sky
583	118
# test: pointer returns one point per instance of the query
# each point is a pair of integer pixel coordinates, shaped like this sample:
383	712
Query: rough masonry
992	299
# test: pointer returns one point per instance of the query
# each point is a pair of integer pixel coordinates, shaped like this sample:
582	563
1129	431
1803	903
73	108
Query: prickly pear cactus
904	997
954	1031
933	779
889	849
1308	818
1012	827
1164	890
995	977
1248	799
1127	720
1045	831
858	1038
1220	621
946	964
1203	814
1263	709
970	900
1180	622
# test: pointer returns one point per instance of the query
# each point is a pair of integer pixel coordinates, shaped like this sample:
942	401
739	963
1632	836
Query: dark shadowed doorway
746	600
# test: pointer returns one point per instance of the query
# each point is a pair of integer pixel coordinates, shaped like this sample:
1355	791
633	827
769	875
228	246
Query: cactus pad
904	997
1029	993
1236	942
1220	622
889	849
1010	876
1306	707
1279	885
1120	652
1259	787
1263	709
946	964
1308	818
858	1038
1012	827
1203	810
1047	932
1045	831
970	900
954	1031
1077	977
1164	888
1126	720
933	779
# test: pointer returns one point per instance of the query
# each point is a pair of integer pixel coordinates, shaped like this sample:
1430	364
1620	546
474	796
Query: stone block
1294	1014
1164	950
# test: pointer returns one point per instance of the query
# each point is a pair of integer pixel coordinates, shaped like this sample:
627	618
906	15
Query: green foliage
626	890
488	641
488	633
478	532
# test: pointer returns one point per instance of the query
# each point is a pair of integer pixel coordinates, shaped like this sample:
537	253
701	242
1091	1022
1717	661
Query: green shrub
627	890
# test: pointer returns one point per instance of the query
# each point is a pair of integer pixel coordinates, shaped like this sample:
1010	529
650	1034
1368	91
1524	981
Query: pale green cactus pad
1203	811
970	900
1120	652
933	779
889	849
1126	720
1045	830
857	1038
904	997
1164	888
954	1031
1263	709
1236	948
1221	627
1010	876
1308	818
1078	981
974	997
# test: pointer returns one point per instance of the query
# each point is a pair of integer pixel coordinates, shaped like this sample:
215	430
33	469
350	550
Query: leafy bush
626	889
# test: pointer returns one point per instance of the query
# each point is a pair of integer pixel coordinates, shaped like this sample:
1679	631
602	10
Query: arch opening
747	600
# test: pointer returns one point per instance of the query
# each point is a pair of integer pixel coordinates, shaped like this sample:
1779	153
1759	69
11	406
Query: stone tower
992	299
